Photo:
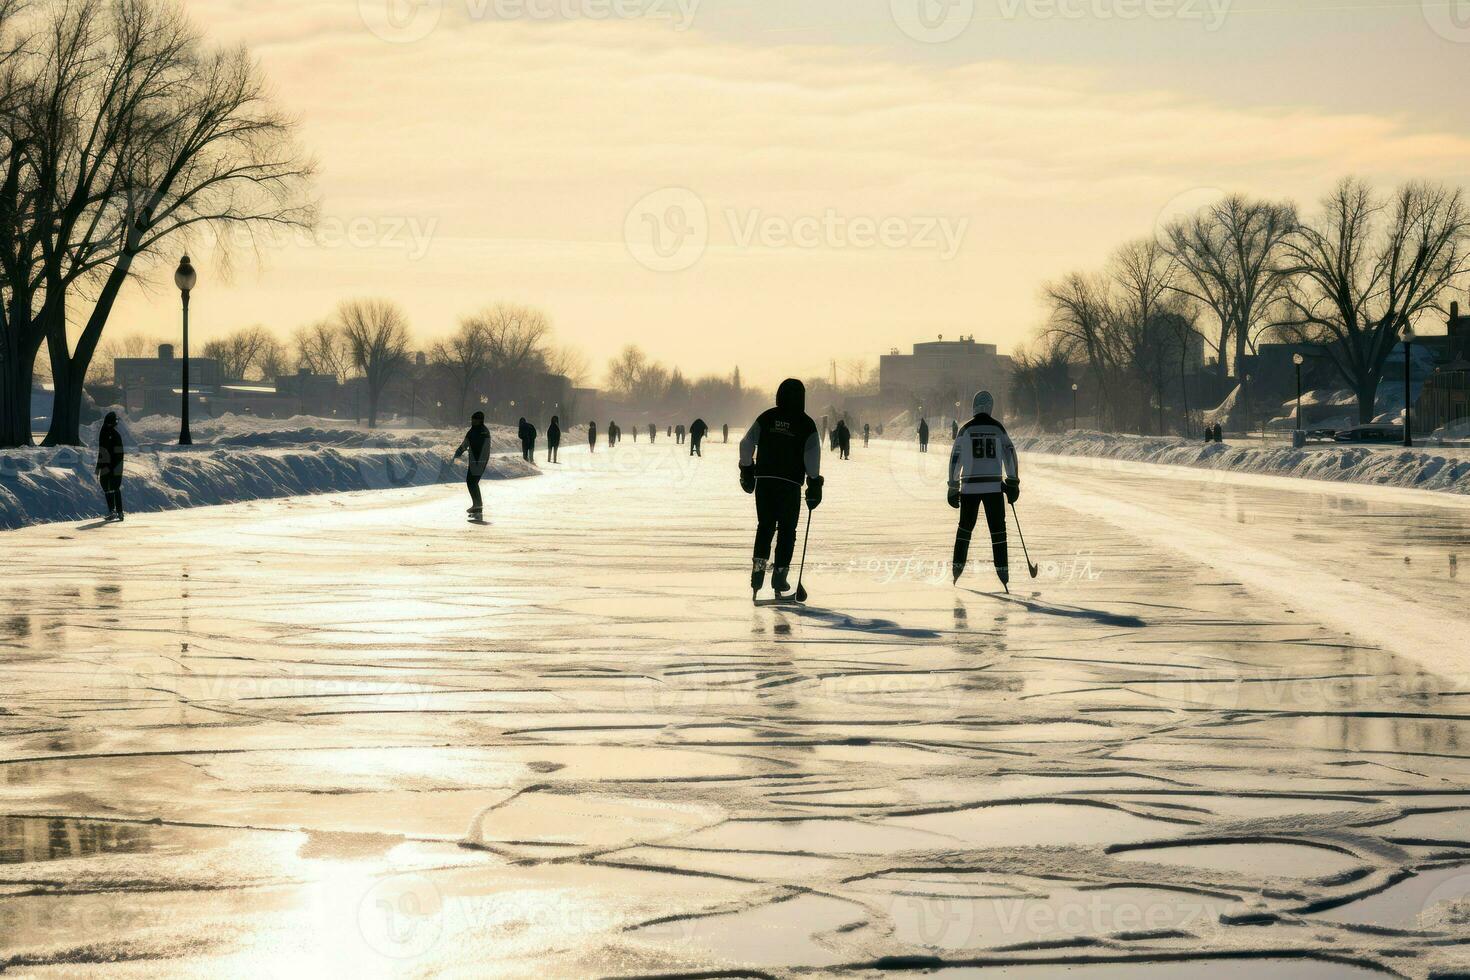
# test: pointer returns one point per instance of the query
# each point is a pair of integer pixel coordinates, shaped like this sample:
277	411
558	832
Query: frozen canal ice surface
1227	731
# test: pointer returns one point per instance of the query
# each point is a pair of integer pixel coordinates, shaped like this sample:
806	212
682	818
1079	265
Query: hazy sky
776	183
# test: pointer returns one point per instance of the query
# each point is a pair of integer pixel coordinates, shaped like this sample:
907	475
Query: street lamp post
1297	359
1408	338
1074	404
1245	391
185	278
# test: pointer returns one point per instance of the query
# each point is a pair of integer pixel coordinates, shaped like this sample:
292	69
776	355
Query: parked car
1373	432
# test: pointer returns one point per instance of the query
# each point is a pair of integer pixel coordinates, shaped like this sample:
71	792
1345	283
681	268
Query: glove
954	497
1012	490
747	478
814	492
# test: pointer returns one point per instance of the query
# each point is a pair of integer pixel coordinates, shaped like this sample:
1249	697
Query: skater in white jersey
983	473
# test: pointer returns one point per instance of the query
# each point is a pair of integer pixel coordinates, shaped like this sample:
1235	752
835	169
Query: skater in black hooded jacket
780	451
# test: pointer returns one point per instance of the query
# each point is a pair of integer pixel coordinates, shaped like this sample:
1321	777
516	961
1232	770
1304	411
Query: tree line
1344	280
123	136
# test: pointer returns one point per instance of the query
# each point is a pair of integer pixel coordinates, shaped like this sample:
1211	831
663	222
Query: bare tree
127	133
1364	268
1227	255
321	348
463	360
376	332
126	345
516	338
249	350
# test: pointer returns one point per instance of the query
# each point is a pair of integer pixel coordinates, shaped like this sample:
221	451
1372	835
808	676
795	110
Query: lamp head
184	276
1298	360
1408	333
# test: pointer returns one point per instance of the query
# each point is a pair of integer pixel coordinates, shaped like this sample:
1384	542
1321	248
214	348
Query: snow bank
244	463
1347	464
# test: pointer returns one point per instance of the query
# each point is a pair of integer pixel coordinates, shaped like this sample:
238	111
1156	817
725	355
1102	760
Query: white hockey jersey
981	456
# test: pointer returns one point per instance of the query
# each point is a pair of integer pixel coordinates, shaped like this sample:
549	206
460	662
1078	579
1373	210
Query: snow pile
1347	464
58	484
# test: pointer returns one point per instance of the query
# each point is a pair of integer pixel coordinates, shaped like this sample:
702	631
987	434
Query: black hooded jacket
783	443
109	450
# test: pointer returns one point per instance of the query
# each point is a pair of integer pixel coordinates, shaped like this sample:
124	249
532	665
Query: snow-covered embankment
1382	466
253	462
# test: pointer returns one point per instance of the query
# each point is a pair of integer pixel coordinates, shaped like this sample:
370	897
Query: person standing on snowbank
696	437
110	466
477	444
982	451
780	451
553	440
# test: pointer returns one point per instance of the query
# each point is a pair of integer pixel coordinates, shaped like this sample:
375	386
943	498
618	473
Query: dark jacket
923	431
553	433
698	429
109	450
783	443
477	444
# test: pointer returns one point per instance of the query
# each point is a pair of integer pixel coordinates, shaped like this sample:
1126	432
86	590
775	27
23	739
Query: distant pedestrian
477	444
954	429
110	466
726	428
679	434
613	434
652	433
635	435
592	437
865	435
844	440
923	435
696	437
553	440
528	442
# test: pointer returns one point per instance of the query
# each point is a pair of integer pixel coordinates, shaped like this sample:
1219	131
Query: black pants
528	450
472	480
553	446
924	446
995	516
112	491
777	509
694	446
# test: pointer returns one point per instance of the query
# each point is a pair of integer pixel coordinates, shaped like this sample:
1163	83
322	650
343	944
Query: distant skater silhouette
696	437
528	441
923	435
982	451
110	466
553	440
592	437
652	433
670	432
844	439
866	429
613	434
954	428
726	428
778	453
477	444
679	434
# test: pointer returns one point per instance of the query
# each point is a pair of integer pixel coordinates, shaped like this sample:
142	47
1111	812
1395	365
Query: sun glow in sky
776	184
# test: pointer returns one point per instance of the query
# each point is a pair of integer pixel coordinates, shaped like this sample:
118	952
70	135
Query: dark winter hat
478	417
984	403
110	419
791	396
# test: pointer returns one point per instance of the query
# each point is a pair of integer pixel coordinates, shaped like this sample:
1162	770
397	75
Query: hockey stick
801	589
1029	567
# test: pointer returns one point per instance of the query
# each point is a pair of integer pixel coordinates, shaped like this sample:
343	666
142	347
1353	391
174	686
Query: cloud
523	144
